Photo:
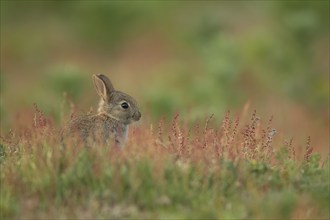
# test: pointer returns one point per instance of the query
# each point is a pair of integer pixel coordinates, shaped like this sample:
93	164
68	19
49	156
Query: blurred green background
192	57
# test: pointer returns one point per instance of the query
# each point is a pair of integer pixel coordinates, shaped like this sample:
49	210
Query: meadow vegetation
234	169
198	69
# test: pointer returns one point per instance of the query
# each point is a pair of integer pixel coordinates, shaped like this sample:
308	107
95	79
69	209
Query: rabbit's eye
124	105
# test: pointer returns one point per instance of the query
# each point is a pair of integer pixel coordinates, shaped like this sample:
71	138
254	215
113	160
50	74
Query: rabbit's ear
103	86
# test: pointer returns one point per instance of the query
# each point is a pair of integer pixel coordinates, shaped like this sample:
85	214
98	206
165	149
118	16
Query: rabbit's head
115	104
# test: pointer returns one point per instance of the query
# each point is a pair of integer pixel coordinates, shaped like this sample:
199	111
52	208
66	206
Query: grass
174	169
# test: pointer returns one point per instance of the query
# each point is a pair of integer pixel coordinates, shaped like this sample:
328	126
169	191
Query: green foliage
132	187
233	68
2	153
8	205
216	60
67	79
2	90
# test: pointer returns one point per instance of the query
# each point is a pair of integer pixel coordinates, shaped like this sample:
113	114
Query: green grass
167	171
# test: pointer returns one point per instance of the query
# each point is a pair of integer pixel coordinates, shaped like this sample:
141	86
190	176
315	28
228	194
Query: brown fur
110	125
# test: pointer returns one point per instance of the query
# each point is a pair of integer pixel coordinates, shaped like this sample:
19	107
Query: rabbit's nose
137	116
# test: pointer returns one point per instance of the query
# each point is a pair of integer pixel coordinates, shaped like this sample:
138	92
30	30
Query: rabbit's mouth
131	118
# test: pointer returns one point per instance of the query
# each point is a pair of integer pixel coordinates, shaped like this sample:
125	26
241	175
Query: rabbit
110	125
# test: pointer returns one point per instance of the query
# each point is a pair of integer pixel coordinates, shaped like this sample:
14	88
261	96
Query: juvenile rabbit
110	125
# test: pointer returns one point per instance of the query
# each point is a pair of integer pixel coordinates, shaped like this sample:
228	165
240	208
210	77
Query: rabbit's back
97	128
